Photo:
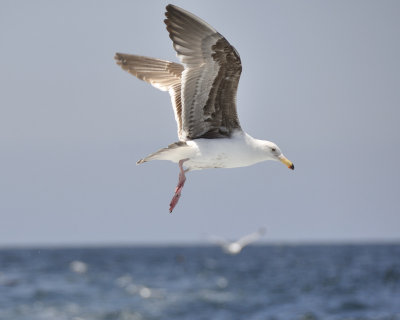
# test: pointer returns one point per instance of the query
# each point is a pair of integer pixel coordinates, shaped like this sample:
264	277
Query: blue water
262	282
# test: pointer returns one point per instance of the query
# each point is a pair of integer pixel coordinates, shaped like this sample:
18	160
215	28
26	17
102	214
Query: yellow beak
286	162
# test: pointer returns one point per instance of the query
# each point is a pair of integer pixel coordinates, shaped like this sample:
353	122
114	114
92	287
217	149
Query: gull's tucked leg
179	187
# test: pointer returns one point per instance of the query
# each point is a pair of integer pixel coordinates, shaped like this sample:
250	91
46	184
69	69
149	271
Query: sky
320	78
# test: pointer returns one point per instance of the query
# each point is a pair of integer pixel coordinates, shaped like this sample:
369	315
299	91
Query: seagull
203	95
237	246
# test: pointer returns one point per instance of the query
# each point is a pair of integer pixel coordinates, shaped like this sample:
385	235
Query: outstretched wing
163	75
210	79
244	241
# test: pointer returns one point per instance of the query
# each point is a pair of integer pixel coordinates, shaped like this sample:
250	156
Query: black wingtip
169	8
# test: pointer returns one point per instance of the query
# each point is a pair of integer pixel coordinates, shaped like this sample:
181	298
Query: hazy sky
320	78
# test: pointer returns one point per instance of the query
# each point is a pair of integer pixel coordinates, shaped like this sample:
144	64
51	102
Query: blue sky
321	79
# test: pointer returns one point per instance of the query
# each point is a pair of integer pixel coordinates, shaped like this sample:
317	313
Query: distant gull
237	246
203	96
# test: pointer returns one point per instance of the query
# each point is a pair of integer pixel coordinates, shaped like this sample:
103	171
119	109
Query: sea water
262	282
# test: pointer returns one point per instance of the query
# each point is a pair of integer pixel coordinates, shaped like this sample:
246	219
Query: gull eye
273	149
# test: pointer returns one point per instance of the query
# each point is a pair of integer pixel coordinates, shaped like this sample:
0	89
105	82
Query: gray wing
244	241
210	79
163	75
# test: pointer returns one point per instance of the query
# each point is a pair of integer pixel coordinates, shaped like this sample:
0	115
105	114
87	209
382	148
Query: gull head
272	152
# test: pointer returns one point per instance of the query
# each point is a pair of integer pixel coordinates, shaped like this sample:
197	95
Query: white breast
238	151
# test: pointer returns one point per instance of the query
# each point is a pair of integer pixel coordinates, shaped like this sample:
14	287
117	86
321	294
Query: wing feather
210	78
163	75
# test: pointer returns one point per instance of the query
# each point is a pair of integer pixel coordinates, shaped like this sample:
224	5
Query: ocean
274	282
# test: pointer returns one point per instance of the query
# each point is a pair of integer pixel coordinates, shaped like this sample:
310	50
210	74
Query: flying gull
235	247
203	95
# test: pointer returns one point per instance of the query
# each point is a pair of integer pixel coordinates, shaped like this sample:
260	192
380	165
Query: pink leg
179	187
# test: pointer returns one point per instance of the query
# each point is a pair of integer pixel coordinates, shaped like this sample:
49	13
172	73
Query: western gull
203	95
